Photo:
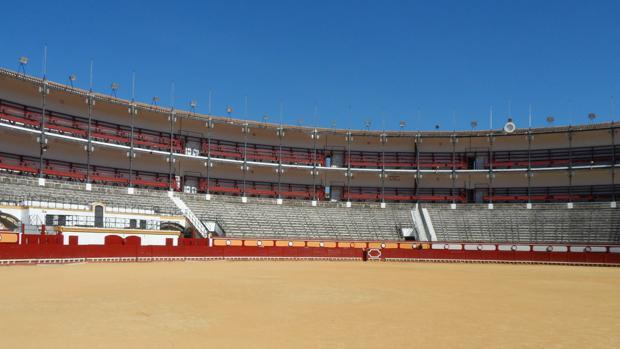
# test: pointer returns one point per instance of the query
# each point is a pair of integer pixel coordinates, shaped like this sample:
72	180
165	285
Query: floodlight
114	86
23	60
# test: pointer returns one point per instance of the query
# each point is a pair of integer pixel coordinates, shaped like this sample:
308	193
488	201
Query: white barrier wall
86	238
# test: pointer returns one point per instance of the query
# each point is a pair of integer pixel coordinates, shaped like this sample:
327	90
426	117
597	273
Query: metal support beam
315	137
529	166
349	138
280	134
245	129
383	138
209	164
416	146
491	174
89	147
453	174
613	160
172	118
133	111
570	164
44	90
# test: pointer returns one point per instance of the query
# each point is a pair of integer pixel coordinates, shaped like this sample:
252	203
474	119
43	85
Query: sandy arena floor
308	305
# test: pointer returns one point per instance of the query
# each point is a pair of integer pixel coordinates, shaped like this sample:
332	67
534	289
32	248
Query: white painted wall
99	238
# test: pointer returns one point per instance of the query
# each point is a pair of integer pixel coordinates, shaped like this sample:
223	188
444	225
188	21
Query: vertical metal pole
42	139
245	131
44	90
529	166
417	140
89	148
383	141
315	136
172	117
280	135
613	162
349	139
570	164
91	102
132	112
209	126
453	176
491	174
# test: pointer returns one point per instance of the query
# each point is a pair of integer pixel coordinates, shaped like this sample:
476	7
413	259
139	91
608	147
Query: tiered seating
18	190
261	189
77	172
78	127
263	153
405	160
121	134
584	193
602	155
585	223
296	219
151	139
403	194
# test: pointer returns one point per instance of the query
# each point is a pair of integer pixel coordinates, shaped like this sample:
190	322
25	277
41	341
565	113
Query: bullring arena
134	225
303	304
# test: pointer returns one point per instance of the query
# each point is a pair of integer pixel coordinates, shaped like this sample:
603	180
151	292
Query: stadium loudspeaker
348	203
244	199
490	206
383	205
89	186
41	182
208	197
313	203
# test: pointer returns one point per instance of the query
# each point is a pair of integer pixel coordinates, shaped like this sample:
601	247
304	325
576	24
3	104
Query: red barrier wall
35	247
544	257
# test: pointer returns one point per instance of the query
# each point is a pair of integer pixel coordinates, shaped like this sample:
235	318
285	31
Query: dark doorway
98	216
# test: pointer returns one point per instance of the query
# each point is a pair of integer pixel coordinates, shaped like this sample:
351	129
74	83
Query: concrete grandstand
73	160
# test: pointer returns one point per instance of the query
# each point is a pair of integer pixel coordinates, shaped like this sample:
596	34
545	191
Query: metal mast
44	90
90	100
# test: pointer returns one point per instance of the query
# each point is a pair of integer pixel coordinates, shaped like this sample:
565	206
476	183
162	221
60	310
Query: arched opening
8	222
99	216
172	226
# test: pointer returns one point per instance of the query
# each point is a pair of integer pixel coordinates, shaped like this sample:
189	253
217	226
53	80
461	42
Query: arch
113	240
174	226
8	222
133	240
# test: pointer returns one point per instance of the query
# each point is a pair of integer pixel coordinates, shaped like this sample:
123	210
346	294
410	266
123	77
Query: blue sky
426	62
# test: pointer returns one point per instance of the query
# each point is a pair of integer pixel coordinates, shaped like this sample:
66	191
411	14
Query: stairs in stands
187	212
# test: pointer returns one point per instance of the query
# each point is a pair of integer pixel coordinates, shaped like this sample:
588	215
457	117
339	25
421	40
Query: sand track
308	305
